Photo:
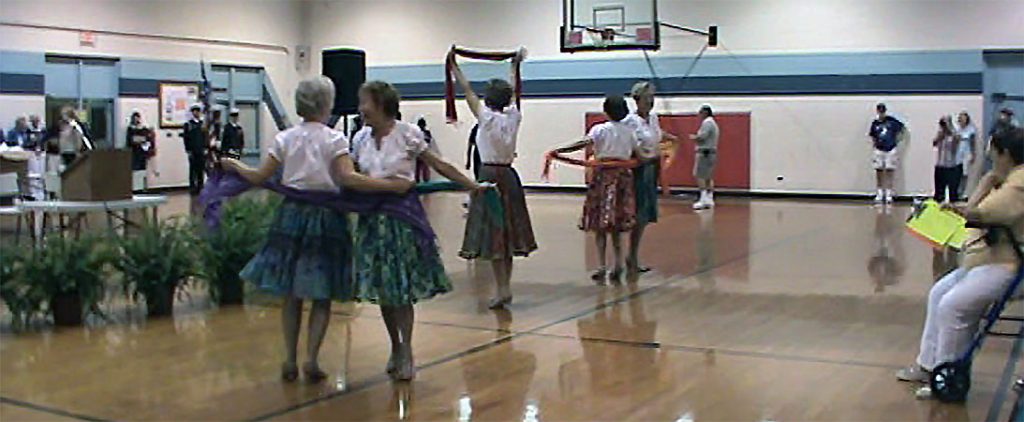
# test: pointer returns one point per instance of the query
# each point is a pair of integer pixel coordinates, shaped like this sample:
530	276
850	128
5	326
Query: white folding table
78	209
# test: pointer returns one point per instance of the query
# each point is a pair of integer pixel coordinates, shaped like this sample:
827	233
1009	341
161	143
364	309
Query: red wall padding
733	170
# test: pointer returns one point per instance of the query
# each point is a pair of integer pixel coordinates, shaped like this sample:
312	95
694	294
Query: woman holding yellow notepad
957	301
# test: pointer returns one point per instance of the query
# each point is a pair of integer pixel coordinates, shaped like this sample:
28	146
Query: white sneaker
704	204
889	196
880	197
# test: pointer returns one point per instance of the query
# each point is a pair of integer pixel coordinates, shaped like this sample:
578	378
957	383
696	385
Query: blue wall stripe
160	70
24	62
244	91
716	73
939	83
711	64
17	83
139	87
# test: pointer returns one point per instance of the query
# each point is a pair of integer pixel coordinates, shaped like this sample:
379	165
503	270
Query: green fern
243	230
158	259
16	293
63	266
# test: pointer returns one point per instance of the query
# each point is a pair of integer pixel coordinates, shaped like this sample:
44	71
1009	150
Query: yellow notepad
938	226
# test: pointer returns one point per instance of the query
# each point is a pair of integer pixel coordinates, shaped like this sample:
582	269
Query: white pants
955	307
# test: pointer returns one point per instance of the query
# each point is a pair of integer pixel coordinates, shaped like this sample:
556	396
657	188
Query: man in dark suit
233	140
194	136
36	133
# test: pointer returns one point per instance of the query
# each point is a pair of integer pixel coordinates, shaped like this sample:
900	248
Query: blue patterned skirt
391	268
645	178
307	254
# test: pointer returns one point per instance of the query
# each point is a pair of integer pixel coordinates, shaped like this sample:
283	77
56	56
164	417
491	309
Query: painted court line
50	410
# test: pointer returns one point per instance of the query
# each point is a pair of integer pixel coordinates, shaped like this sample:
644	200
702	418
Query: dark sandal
391	367
289	372
405	371
499	302
313	373
616	276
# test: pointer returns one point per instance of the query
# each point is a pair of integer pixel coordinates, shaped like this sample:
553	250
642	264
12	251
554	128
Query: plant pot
162	303
231	292
67	309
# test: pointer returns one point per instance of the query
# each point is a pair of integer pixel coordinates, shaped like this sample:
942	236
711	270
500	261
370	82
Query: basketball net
605	37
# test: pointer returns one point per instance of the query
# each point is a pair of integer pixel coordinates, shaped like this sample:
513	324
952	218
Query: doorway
97	114
249	119
1004	84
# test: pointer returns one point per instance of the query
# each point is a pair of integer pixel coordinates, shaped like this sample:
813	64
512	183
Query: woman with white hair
308	250
645	177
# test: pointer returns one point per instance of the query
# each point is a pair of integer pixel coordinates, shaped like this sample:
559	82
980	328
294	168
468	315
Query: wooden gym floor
760	311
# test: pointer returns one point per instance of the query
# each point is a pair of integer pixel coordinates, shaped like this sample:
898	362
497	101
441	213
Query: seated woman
957	302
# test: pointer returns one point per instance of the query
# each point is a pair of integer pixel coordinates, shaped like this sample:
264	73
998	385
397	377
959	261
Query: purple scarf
222	185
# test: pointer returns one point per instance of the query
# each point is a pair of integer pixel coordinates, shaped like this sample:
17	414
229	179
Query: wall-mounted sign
175	100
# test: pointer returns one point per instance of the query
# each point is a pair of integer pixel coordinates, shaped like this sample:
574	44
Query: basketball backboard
589	25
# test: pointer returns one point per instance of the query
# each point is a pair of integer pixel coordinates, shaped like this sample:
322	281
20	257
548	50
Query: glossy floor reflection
762	310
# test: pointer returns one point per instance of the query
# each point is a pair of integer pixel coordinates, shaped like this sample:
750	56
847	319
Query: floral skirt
390	268
611	201
307	254
515	236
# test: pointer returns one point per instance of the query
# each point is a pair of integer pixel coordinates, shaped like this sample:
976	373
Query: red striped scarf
449	83
552	156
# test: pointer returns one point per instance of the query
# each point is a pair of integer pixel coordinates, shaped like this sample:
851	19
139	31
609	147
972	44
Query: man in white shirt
706	140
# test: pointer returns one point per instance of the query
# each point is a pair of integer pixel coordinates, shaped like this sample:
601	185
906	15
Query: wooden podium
98	175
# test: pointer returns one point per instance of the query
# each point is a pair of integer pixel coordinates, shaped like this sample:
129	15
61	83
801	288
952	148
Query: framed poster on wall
175	100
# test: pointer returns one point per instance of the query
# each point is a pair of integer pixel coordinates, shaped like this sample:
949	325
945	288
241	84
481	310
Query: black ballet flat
616	276
500	303
289	372
391	367
313	373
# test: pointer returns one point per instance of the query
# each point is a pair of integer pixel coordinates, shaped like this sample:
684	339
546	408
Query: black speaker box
347	69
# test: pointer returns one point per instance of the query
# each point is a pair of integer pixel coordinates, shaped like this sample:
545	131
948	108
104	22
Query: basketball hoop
589	25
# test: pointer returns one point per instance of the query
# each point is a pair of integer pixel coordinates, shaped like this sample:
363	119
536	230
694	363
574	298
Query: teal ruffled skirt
307	254
389	266
645	179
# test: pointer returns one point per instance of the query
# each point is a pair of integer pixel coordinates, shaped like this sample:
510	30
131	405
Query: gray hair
314	97
641	88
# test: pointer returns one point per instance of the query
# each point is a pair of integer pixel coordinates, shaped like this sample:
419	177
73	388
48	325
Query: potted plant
156	260
20	296
229	247
67	274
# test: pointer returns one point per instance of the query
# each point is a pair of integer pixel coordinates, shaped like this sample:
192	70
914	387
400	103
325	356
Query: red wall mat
733	169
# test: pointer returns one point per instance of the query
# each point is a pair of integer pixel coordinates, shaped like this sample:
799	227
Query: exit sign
87	39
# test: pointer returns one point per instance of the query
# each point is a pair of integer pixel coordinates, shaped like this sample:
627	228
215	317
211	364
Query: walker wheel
951	381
